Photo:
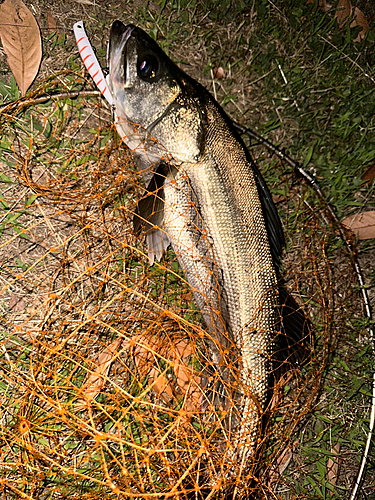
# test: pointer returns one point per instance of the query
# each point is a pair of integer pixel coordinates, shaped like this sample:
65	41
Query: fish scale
233	216
210	203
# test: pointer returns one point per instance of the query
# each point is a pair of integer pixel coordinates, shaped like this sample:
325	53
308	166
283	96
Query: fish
206	198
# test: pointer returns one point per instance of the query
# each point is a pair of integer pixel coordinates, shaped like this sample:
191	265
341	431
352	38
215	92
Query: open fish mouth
117	60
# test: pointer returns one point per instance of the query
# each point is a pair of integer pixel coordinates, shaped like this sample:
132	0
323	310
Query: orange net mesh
102	356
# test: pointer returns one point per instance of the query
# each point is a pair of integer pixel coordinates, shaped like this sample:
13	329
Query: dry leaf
325	6
218	73
281	464
359	19
369	175
160	385
146	353
52	26
333	465
362	225
188	296
343	12
187	379
96	381
20	36
16	303
278	198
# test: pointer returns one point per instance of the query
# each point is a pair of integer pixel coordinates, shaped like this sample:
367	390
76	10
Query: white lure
90	61
93	67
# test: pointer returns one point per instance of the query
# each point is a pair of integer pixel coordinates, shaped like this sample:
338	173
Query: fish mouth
116	55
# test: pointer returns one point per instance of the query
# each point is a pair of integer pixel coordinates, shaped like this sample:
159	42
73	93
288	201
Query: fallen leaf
278	198
333	465
362	225
281	464
16	303
218	73
96	381
147	351
324	6
160	385
188	296
343	12
359	19
187	379
369	175
20	36
52	26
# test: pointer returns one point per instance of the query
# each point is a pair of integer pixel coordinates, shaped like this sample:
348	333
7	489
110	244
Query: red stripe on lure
90	61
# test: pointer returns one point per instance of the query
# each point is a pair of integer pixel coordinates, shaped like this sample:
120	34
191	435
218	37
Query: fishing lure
90	61
93	67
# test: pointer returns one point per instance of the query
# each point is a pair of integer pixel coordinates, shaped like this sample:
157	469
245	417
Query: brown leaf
16	303
359	19
146	353
188	381
324	5
160	385
333	465
343	12
96	381
362	225
52	26
218	73
369	175
20	36
188	296
281	464
278	198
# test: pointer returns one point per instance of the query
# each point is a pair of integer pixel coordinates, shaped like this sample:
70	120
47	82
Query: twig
310	179
31	101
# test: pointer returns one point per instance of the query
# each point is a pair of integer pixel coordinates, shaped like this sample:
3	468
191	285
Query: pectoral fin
149	214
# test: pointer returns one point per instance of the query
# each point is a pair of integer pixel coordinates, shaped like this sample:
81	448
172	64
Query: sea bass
206	198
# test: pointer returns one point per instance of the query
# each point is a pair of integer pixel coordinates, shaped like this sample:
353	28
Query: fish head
156	103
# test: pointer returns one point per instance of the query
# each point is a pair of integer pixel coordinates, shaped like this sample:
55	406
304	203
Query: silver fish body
208	200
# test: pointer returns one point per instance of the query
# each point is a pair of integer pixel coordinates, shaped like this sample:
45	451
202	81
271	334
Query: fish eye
148	67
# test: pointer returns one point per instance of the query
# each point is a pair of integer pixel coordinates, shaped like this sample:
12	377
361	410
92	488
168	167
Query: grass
74	278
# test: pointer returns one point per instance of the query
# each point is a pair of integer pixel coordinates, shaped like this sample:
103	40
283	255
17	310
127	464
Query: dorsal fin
271	218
